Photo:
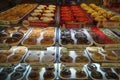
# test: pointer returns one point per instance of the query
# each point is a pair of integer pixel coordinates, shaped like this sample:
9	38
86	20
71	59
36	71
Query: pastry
20	69
15	58
48	14
34	75
16	76
12	40
18	35
65	73
19	11
47	42
33	19
47	58
111	75
48	75
97	57
65	40
80	74
7	52
50	68
96	75
8	70
3	58
22	28
106	69
47	19
35	14
1	40
66	59
32	58
30	41
81	59
112	57
4	35
10	30
20	51
3	75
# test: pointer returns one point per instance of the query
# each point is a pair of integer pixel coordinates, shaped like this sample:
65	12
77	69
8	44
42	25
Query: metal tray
76	46
73	55
38	45
42	71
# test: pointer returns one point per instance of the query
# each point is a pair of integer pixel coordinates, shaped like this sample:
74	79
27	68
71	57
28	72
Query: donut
34	75
3	58
18	35
21	51
1	40
15	58
16	76
12	40
4	35
30	41
7	52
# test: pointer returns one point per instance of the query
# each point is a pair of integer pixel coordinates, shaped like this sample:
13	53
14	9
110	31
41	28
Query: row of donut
47	36
65	71
62	55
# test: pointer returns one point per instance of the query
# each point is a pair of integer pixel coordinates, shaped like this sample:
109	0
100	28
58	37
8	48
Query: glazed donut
15	58
3	58
21	51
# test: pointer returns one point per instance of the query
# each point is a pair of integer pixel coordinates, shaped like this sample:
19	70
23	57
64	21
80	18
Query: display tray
8	22
97	72
14	55
98	54
100	14
73	16
74	72
42	15
43	72
13	36
40	38
40	56
74	38
14	72
104	38
69	56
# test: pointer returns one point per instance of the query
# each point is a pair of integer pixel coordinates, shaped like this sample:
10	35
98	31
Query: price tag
111	24
75	25
44	24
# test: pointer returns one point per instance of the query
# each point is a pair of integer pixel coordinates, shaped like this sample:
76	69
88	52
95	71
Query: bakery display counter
74	38
40	38
15	14
42	15
12	36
